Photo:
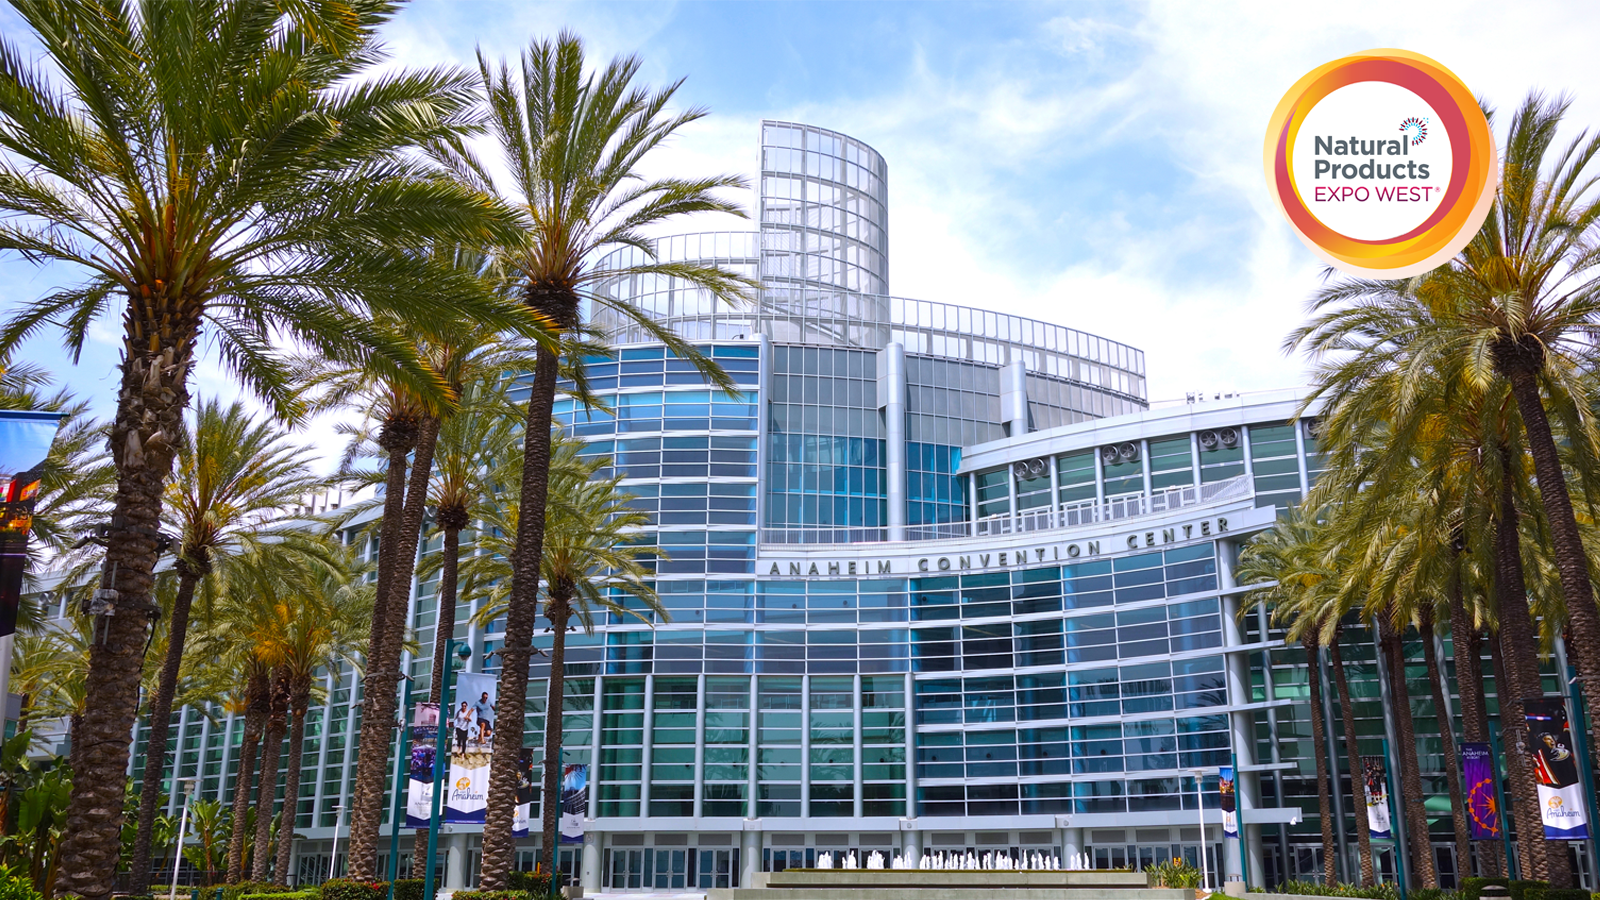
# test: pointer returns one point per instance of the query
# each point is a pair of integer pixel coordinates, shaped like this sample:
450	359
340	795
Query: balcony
1065	515
1115	509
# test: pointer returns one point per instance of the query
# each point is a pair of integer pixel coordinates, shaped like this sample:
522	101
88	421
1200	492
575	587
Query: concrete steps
947	884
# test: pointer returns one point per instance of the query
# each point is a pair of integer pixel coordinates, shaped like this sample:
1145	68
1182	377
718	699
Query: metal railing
1114	509
1064	515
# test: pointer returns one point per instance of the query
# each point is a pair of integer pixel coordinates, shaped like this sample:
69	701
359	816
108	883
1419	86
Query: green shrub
14	886
291	895
535	883
1518	888
491	895
1431	894
1566	894
408	889
237	891
1471	888
345	889
1312	889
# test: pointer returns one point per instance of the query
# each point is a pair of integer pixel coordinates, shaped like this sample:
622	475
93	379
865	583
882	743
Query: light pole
402	783
333	858
441	754
1200	795
183	826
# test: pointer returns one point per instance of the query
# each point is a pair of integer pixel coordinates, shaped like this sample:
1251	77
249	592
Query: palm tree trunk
255	720
1566	545
522	611
403	507
1412	799
149	415
1519	651
155	760
291	780
1330	851
1447	736
559	611
271	753
1352	753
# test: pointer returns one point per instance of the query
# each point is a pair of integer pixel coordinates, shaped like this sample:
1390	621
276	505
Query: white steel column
1246	787
892	400
646	745
856	751
699	744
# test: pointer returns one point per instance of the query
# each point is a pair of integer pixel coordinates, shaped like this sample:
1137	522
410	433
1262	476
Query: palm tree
225	167
573	142
318	623
457	353
475	442
1286	554
592	561
235	472
254	699
1523	306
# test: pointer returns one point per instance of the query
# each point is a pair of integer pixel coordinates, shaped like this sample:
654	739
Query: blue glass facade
936	579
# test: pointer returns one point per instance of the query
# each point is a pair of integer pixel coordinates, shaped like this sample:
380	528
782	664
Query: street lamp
183	826
441	752
1200	795
402	782
333	858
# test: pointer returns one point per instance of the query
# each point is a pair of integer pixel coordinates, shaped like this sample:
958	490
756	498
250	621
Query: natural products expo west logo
1382	162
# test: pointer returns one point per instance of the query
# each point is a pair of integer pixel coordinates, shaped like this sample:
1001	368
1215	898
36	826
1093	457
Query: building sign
1378	822
1004	553
1382	162
1477	766
1555	766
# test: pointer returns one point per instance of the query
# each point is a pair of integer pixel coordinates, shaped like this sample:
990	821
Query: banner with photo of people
574	802
419	768
466	734
1555	766
1483	811
1230	807
1378	822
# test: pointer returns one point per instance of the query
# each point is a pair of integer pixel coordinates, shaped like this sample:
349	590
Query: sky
1094	165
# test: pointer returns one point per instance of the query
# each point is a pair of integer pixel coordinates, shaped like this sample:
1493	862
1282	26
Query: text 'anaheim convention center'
938	578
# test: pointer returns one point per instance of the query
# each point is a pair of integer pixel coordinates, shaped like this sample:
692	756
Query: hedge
238	891
292	895
535	883
491	895
1565	894
1518	888
345	889
411	889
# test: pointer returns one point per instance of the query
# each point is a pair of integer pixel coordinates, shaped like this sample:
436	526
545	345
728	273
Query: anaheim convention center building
940	578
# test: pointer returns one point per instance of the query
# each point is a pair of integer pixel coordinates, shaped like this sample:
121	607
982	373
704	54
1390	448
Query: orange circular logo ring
1342	159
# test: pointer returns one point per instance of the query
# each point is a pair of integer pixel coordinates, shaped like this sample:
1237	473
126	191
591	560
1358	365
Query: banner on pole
1378	822
25	439
525	793
419	768
574	802
465	734
1230	807
1478	773
1556	767
471	734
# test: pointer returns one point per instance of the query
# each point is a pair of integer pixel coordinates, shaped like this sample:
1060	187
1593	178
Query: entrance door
1113	857
718	868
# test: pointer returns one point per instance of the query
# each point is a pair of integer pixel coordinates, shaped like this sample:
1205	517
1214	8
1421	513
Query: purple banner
1477	766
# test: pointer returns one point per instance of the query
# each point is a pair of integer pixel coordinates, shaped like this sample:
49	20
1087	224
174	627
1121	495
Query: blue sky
1095	165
